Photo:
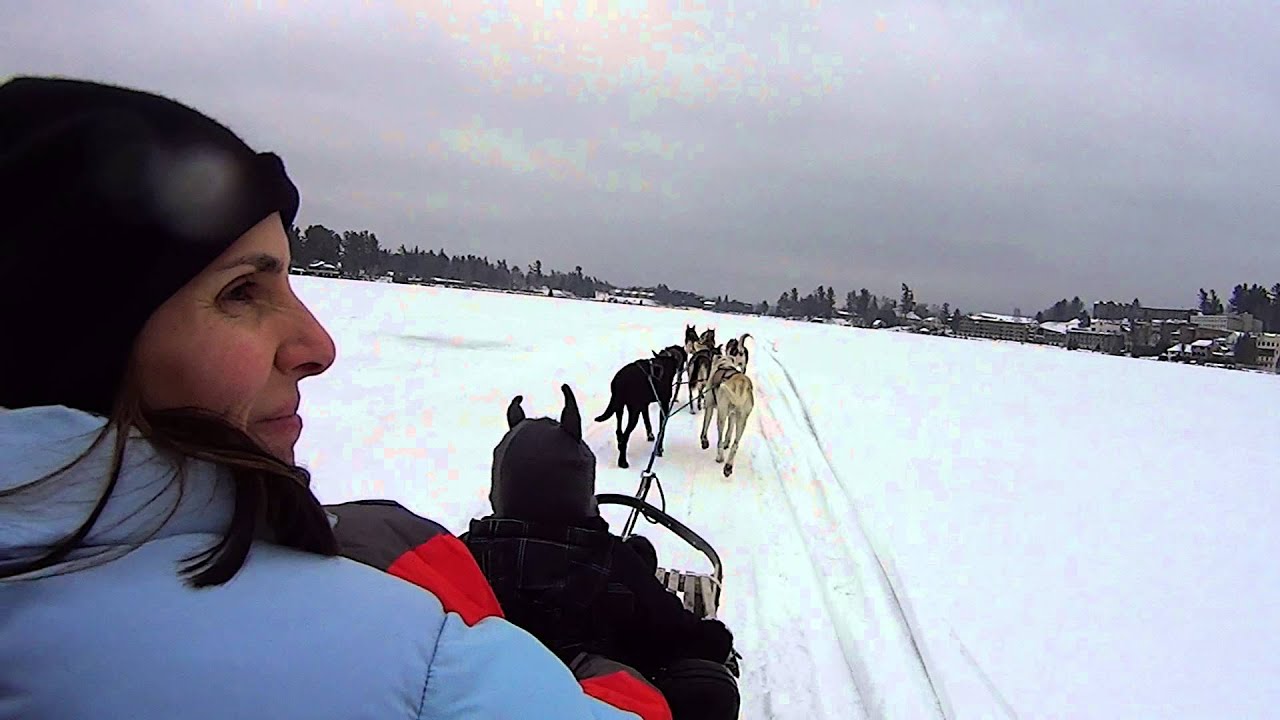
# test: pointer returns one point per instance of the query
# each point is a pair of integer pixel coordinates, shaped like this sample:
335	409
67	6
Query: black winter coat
578	588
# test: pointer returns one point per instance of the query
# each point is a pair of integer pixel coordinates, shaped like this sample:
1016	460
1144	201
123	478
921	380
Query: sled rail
700	592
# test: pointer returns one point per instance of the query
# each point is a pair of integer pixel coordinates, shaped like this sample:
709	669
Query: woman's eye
242	293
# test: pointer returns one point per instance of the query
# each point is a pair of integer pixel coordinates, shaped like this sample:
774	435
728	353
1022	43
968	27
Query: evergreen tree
1215	305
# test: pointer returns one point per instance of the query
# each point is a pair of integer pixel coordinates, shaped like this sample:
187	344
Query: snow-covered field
915	527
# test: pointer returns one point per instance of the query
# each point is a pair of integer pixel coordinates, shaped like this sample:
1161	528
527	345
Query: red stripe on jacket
626	692
445	566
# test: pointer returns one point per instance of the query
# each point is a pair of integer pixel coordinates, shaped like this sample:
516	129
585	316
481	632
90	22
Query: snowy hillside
916	527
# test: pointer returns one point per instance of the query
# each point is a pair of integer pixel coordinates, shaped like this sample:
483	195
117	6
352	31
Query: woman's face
237	341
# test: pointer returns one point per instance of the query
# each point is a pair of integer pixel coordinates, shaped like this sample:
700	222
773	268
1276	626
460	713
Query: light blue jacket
293	635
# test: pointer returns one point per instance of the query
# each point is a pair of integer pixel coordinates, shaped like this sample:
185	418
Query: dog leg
664	406
625	436
740	424
706	422
723	418
698	382
734	433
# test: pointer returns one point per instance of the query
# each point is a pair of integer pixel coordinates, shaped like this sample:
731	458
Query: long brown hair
271	497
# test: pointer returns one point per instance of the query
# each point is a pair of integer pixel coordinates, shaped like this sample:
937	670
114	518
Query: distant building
1229	322
1155	314
627	297
318	268
996	327
636	293
1172	332
1201	351
448	282
1268	349
1054	333
1112	311
1128	311
1100	336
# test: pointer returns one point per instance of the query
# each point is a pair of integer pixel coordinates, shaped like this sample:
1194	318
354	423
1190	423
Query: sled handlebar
670	523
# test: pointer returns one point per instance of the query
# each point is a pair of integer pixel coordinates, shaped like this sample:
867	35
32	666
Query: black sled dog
633	388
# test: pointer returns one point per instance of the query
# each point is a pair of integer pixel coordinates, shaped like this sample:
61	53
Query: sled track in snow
857	669
896	595
903	606
845	554
986	679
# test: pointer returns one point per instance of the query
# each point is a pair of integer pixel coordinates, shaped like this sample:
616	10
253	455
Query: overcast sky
993	158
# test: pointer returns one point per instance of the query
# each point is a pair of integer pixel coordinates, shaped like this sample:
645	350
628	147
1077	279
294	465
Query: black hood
542	470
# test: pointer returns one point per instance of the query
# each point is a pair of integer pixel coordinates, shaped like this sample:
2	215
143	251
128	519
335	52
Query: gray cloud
991	158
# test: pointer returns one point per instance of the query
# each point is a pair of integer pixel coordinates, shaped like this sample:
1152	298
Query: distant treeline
360	254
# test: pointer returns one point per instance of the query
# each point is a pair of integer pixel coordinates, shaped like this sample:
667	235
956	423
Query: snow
996	317
908	532
1061	328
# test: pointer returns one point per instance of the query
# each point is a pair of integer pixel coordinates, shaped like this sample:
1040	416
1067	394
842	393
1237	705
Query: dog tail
615	407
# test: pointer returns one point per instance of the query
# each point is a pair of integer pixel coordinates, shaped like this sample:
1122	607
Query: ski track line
995	692
891	577
846	556
941	705
858	672
764	664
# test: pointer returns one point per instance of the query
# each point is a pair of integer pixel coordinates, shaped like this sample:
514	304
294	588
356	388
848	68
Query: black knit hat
112	199
542	470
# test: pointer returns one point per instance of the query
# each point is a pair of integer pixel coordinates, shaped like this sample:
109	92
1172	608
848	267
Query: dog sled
699	591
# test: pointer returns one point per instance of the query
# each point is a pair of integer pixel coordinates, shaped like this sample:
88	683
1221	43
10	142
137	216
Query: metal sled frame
700	592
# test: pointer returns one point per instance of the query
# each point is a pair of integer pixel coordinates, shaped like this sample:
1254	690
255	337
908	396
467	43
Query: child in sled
562	576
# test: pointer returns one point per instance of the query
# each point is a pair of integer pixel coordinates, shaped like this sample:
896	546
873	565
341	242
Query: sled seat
699	592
